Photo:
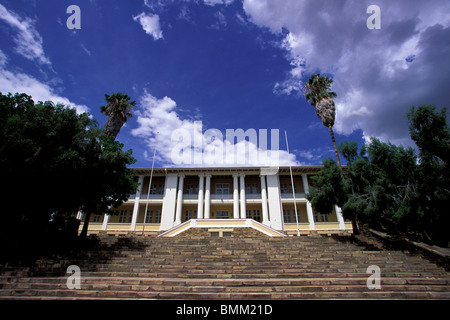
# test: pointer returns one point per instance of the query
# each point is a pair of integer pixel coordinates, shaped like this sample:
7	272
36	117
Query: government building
170	201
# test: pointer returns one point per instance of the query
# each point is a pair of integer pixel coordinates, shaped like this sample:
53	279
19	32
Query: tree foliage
54	161
118	109
391	186
317	93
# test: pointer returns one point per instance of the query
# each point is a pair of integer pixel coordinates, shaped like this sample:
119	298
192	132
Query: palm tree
118	110
317	93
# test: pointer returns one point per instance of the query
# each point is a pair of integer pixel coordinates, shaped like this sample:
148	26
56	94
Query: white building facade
169	198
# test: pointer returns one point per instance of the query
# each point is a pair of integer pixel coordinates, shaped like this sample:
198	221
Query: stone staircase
310	267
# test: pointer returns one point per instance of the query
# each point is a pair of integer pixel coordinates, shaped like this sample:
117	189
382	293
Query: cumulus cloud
378	74
185	142
150	24
28	42
215	2
16	82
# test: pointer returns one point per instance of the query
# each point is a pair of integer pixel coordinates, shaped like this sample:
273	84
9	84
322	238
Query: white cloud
28	41
374	77
15	82
215	2
3	59
184	142
150	24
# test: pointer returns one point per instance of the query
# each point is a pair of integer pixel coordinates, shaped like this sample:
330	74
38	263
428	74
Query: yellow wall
221	207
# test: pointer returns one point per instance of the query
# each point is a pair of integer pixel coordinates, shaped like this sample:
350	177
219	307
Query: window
253	214
97	218
122	216
251	188
257	215
316	217
153	216
222	188
190	214
192	188
287	215
157	216
148	217
284	188
221	214
324	217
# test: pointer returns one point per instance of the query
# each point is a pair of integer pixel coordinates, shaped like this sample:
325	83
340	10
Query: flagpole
148	193
292	182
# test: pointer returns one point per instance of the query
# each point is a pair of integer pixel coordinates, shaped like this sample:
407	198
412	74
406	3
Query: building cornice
225	170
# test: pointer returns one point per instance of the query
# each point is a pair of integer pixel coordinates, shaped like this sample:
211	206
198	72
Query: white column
265	209
275	206
136	204
242	182
200	196
179	199
208	197
80	215
340	217
169	201
309	209
105	221
235	196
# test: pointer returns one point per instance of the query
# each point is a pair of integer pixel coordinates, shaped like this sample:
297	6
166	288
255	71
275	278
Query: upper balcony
144	197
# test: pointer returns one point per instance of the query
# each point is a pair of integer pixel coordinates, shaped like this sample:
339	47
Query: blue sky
231	65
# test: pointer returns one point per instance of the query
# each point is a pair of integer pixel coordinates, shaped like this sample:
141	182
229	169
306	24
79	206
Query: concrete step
230	268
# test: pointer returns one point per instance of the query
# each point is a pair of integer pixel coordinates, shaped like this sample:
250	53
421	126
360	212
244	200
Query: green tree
317	93
327	188
389	187
380	183
429	130
118	109
55	162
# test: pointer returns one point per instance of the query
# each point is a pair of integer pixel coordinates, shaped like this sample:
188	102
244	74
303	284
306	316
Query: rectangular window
192	188
153	216
190	214
148	217
157	216
221	214
324	217
122	216
97	218
287	215
257	215
284	188
222	188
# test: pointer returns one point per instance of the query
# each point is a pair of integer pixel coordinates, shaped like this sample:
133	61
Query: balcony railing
298	195
144	197
216	196
190	196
